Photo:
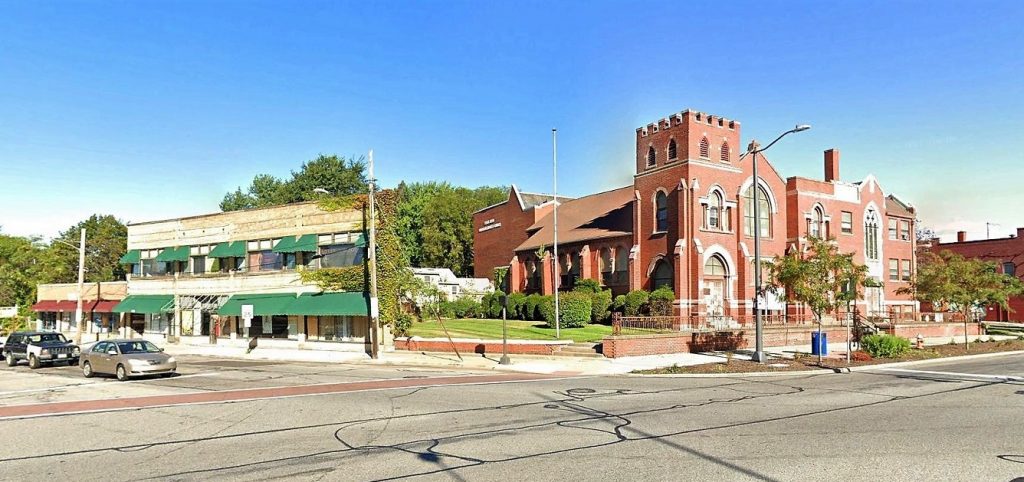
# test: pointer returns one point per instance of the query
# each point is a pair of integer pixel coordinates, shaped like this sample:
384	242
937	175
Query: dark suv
39	347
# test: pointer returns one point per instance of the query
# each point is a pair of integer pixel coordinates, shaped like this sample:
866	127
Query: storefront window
341	255
334	328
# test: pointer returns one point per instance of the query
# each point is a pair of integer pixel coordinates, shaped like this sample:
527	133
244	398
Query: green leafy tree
105	240
949	280
338	175
446	221
23	264
819	278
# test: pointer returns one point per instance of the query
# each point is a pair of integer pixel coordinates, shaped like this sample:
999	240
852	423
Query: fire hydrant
920	341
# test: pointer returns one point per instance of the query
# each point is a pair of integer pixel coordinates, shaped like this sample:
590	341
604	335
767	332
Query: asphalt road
940	421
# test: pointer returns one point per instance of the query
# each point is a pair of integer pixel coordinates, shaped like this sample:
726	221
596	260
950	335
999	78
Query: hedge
573	309
885	346
635	302
660	301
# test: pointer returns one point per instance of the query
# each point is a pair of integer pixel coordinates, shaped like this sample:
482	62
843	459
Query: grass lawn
491	329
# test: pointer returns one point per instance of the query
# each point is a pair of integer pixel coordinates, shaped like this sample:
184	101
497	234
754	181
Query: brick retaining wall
662	344
515	347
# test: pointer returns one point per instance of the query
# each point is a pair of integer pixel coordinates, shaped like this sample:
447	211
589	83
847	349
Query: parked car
127	358
39	347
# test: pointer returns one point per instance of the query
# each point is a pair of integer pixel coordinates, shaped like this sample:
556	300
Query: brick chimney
1020	232
832	165
961	236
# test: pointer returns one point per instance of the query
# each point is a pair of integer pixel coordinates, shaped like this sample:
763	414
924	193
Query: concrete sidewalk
520	363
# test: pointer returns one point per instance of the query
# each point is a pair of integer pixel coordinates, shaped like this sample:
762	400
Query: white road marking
1002	378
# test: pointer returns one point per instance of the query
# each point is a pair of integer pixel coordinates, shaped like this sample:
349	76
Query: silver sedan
126	358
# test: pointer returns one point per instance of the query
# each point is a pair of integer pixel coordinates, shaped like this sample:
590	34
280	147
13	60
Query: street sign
247	315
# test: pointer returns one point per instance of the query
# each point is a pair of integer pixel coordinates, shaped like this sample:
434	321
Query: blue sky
150	110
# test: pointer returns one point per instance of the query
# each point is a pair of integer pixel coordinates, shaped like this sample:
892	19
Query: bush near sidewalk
885	346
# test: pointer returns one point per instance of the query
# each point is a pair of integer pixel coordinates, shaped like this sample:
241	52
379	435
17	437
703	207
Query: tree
436	223
338	175
821	277
105	240
965	285
23	264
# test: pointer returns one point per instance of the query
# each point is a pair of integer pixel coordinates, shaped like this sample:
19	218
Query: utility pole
375	336
556	278
81	287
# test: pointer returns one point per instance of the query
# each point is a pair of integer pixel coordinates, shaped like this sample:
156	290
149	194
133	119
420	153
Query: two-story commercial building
193	276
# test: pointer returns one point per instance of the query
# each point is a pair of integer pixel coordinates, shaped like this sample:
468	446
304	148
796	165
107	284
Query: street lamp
81	284
753	150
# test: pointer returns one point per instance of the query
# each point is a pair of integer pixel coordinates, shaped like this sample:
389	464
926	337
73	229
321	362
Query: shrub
491	304
635	302
599	304
619	304
461	308
660	301
588	285
402	324
573	310
516	302
528	311
885	346
546	309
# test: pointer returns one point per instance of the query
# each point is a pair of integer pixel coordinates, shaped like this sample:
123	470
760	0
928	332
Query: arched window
716	213
704	148
672	149
621	265
725	152
714	266
534	273
764	212
871	235
817	223
651	156
662	275
606	266
661	211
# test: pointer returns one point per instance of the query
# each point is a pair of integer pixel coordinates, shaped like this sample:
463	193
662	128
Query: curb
823	371
935	360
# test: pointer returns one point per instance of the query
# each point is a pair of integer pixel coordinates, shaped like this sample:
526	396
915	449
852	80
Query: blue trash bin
819	343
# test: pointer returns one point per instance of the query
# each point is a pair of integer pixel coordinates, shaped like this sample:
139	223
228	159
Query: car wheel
10	359
122	373
33	362
87	370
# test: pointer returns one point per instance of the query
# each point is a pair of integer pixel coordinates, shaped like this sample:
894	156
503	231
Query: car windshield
47	338
137	347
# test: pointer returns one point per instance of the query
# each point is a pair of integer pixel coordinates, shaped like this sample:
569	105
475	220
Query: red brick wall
481	347
999	251
661	344
494	247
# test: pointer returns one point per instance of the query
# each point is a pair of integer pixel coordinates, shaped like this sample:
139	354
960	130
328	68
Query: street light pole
372	251
556	277
753	150
81	287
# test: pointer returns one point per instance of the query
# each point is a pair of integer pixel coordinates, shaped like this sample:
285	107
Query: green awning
305	243
145	304
361	240
179	253
233	249
326	304
131	257
262	304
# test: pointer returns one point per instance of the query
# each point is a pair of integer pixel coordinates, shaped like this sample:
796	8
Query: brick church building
686	222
